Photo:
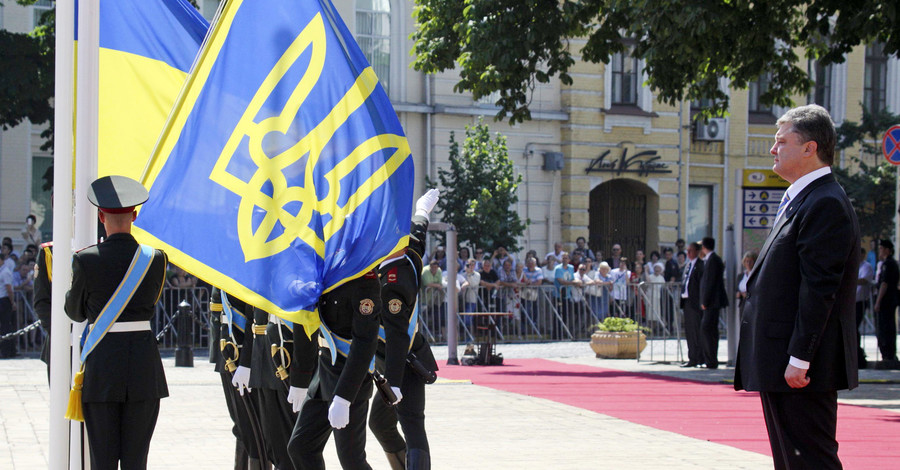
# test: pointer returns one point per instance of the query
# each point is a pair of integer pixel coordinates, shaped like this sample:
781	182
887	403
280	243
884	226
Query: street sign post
890	145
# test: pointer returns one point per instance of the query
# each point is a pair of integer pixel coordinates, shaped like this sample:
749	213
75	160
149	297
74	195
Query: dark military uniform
275	413
237	345
42	296
399	288
352	312
123	376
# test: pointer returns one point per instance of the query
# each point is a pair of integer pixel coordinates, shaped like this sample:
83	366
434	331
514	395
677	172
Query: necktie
784	202
687	277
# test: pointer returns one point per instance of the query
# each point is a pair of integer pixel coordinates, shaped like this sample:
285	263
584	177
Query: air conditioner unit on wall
712	129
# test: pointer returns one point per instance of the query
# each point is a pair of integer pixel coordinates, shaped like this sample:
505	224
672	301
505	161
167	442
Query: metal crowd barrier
545	313
539	314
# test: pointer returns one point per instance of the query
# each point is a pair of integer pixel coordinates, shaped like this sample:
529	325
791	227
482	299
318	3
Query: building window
373	33
41	7
758	88
699	212
625	73
875	89
821	76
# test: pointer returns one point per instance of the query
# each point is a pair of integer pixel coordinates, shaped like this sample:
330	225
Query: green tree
480	190
507	46
26	85
872	188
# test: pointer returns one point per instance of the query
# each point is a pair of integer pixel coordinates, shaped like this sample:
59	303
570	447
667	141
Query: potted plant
618	338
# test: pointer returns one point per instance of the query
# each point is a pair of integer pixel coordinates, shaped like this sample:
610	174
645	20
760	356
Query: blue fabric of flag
283	171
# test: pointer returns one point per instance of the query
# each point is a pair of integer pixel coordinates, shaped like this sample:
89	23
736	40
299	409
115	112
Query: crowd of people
17	276
498	281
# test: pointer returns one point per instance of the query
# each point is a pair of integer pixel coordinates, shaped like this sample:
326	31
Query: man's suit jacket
123	366
712	285
801	295
693	298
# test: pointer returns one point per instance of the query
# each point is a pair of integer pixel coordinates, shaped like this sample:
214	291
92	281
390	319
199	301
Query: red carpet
701	410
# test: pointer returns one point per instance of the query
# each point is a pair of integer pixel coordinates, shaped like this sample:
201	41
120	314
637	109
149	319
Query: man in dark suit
712	299
886	301
690	303
798	333
123	376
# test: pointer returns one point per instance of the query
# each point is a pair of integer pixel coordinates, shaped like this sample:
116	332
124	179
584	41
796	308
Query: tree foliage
872	189
507	46
480	190
26	84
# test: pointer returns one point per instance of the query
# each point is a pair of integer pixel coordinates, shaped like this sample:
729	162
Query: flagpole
86	145
60	368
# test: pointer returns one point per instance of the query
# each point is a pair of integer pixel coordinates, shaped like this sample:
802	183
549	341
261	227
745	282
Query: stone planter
618	345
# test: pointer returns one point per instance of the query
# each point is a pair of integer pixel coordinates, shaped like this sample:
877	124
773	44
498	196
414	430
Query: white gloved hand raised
295	398
241	379
426	203
399	395
339	412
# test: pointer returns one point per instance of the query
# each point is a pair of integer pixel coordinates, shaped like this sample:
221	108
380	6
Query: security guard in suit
270	386
405	355
42	295
123	376
338	395
234	351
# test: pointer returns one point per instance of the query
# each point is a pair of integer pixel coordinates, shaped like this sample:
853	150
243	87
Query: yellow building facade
601	158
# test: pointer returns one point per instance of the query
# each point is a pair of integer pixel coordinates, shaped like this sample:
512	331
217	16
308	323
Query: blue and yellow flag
146	51
283	172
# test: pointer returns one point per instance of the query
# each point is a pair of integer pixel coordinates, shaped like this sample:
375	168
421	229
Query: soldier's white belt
129	326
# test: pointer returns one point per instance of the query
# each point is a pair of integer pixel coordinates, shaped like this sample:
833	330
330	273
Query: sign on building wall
619	161
762	191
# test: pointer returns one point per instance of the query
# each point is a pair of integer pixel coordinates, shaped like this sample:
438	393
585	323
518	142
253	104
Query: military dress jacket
123	366
351	311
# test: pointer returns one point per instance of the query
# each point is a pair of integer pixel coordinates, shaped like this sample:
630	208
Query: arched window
373	33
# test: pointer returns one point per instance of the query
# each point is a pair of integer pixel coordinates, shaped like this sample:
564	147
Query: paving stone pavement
469	426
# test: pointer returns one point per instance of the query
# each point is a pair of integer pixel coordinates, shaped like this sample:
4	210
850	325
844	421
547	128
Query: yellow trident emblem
270	170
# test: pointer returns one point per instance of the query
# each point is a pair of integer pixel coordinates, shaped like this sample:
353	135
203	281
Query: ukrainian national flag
284	171
146	51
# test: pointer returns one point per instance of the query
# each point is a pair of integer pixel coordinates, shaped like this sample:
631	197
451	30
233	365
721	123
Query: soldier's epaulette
85	248
47	244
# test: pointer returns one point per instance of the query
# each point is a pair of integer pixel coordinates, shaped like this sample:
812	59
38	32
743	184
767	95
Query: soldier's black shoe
689	364
418	459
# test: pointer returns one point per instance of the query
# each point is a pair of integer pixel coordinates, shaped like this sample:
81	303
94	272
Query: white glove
241	379
339	412
399	395
426	203
295	398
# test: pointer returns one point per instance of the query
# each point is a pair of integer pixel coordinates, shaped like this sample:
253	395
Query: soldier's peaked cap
117	194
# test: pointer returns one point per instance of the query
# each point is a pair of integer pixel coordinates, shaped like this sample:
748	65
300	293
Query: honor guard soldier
339	393
270	386
404	354
115	286
43	282
234	351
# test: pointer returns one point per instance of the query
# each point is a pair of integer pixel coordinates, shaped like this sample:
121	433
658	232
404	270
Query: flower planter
618	345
